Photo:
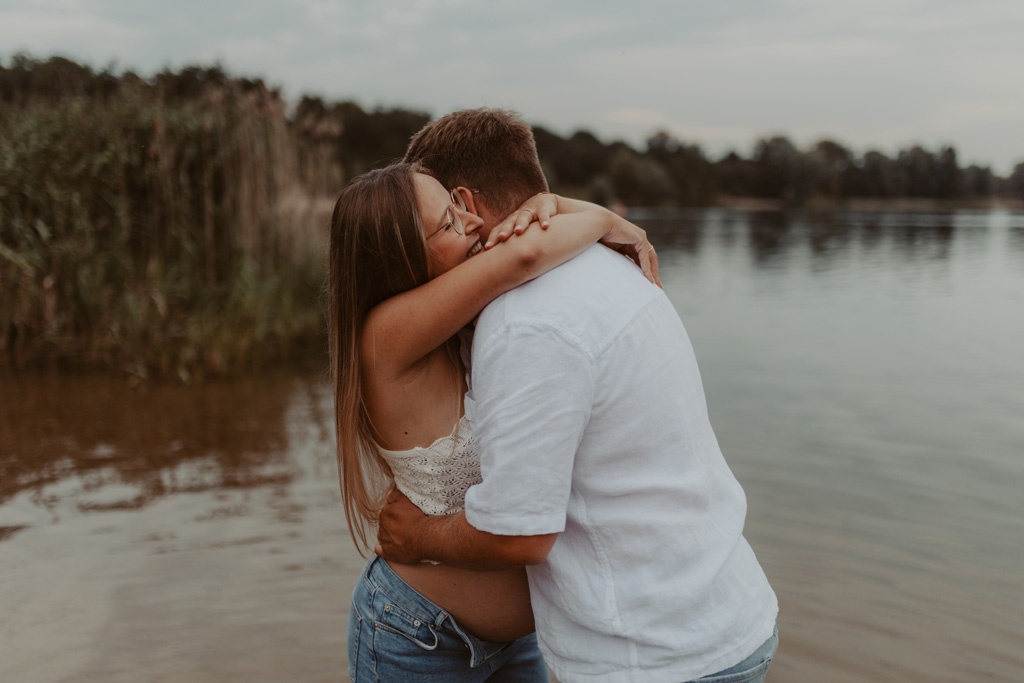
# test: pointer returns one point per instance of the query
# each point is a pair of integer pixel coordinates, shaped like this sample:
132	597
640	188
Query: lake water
865	376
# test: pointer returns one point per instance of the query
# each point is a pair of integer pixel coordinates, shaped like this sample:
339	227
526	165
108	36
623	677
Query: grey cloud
849	70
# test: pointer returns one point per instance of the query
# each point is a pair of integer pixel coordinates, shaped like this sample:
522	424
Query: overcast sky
881	74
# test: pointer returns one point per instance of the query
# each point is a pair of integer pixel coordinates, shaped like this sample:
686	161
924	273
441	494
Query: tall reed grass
158	235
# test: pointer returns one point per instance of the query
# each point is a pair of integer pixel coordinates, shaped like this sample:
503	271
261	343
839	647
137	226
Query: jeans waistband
379	574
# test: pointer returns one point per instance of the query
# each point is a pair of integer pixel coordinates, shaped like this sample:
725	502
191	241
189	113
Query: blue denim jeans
396	634
753	669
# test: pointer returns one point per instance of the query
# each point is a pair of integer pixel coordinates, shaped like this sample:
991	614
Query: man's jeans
753	669
396	634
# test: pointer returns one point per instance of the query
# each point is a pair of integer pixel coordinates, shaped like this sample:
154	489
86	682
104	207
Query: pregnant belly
491	605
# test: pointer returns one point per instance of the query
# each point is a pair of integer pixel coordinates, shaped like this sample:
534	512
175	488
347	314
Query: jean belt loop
368	567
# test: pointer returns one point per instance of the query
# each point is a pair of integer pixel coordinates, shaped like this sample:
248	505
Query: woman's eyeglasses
453	220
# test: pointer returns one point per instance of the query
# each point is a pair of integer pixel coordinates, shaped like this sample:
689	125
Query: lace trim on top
436	477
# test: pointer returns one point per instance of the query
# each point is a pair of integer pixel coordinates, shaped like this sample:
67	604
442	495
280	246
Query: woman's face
451	231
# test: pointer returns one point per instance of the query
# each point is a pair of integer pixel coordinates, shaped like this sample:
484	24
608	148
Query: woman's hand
623	237
537	209
631	241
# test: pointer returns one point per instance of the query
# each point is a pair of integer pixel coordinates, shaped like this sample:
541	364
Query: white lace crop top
436	477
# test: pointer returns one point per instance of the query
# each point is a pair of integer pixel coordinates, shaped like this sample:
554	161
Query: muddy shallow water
865	375
171	532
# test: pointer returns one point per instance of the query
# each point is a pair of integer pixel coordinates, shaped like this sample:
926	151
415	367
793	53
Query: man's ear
470	197
478	207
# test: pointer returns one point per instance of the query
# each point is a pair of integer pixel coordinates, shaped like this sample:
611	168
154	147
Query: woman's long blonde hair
377	251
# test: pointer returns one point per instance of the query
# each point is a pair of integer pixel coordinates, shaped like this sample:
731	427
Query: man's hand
397	532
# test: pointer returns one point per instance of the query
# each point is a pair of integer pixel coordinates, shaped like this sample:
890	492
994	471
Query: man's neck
489	218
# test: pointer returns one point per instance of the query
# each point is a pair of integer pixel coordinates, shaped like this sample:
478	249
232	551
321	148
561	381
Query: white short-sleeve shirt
591	421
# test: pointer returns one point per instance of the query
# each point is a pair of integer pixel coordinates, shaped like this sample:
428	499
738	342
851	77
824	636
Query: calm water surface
865	375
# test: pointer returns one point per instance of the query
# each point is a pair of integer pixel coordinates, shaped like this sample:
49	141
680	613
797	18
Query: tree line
335	140
670	172
175	223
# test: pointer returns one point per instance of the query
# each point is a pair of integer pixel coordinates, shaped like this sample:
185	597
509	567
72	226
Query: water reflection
773	238
94	444
770	237
682	234
931	242
171	532
1016	242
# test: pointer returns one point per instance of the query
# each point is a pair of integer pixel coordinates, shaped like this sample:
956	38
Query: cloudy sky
878	74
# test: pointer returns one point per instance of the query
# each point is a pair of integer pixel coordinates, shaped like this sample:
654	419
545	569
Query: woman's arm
539	208
402	330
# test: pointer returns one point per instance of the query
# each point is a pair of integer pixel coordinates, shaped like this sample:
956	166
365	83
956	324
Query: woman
408	271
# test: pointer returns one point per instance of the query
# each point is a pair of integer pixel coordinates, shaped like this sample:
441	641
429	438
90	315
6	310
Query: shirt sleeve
531	398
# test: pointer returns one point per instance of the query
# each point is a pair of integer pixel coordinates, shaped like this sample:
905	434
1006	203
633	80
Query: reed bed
158	235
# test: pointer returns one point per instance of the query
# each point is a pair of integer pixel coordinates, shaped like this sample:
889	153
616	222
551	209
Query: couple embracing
521	419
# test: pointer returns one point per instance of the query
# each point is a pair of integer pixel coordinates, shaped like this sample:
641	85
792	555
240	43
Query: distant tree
589	153
550	148
881	177
1016	181
690	172
920	167
735	175
600	191
976	182
947	174
29	80
831	166
573	162
639	181
372	139
190	83
782	171
355	139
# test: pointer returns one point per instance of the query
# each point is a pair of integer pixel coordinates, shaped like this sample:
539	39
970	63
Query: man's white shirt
591	420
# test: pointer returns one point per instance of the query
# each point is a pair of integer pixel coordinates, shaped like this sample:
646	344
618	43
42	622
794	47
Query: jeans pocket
390	617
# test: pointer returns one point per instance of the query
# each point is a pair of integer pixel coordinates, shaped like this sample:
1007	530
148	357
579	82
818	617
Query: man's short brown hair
489	150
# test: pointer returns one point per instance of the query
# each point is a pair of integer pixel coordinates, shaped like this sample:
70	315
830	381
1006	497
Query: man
601	472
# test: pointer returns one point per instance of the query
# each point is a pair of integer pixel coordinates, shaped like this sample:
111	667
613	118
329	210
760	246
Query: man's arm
408	536
530	403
